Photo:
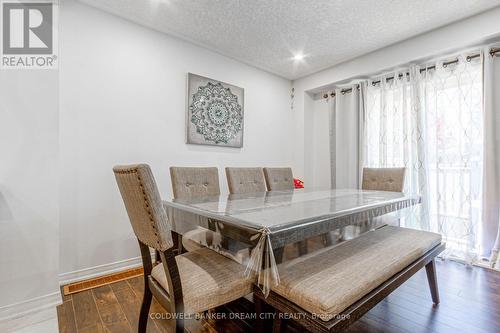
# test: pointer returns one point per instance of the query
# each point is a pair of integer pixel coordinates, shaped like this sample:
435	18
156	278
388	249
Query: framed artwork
214	112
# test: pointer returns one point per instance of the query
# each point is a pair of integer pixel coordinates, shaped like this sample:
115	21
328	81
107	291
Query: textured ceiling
267	33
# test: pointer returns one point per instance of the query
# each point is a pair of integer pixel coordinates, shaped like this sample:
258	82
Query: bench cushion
328	281
208	279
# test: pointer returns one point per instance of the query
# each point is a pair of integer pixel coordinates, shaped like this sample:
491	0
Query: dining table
266	222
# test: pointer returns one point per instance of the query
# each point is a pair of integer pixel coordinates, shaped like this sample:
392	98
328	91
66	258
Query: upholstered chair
192	183
202	182
383	179
187	283
281	179
278	179
245	180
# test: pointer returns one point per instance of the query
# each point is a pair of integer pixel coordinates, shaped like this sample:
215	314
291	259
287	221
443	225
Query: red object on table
298	183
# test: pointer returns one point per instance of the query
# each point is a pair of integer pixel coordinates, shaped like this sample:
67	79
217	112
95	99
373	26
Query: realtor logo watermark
29	39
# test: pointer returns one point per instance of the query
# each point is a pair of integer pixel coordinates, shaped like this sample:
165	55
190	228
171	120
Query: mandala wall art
214	112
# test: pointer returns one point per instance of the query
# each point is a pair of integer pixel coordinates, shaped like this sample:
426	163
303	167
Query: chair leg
326	239
302	246
179	325
146	303
430	269
278	255
157	257
342	236
177	240
146	300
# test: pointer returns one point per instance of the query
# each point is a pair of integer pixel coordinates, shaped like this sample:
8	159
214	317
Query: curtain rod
492	52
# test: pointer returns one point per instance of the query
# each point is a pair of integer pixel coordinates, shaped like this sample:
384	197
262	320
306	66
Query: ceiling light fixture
298	57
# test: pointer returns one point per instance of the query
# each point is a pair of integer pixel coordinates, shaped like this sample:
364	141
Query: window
431	123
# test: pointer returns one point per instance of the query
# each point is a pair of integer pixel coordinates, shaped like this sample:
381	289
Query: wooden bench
330	289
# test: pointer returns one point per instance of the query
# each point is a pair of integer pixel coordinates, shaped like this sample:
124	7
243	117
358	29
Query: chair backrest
279	179
245	180
194	182
383	179
144	207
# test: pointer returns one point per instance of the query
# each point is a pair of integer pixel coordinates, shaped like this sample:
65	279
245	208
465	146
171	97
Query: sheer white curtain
395	136
490	231
431	123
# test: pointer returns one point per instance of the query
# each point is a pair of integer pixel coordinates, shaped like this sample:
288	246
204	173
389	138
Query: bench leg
259	320
278	324
430	269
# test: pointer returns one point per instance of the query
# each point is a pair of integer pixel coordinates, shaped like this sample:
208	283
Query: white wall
465	33
123	100
29	227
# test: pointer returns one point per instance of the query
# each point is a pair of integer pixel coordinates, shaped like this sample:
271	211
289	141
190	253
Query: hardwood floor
470	302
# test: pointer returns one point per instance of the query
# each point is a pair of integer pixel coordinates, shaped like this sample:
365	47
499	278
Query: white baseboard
96	271
16	316
487	266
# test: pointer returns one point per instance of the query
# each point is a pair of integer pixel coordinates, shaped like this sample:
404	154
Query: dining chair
183	284
192	183
278	179
383	179
245	180
198	183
